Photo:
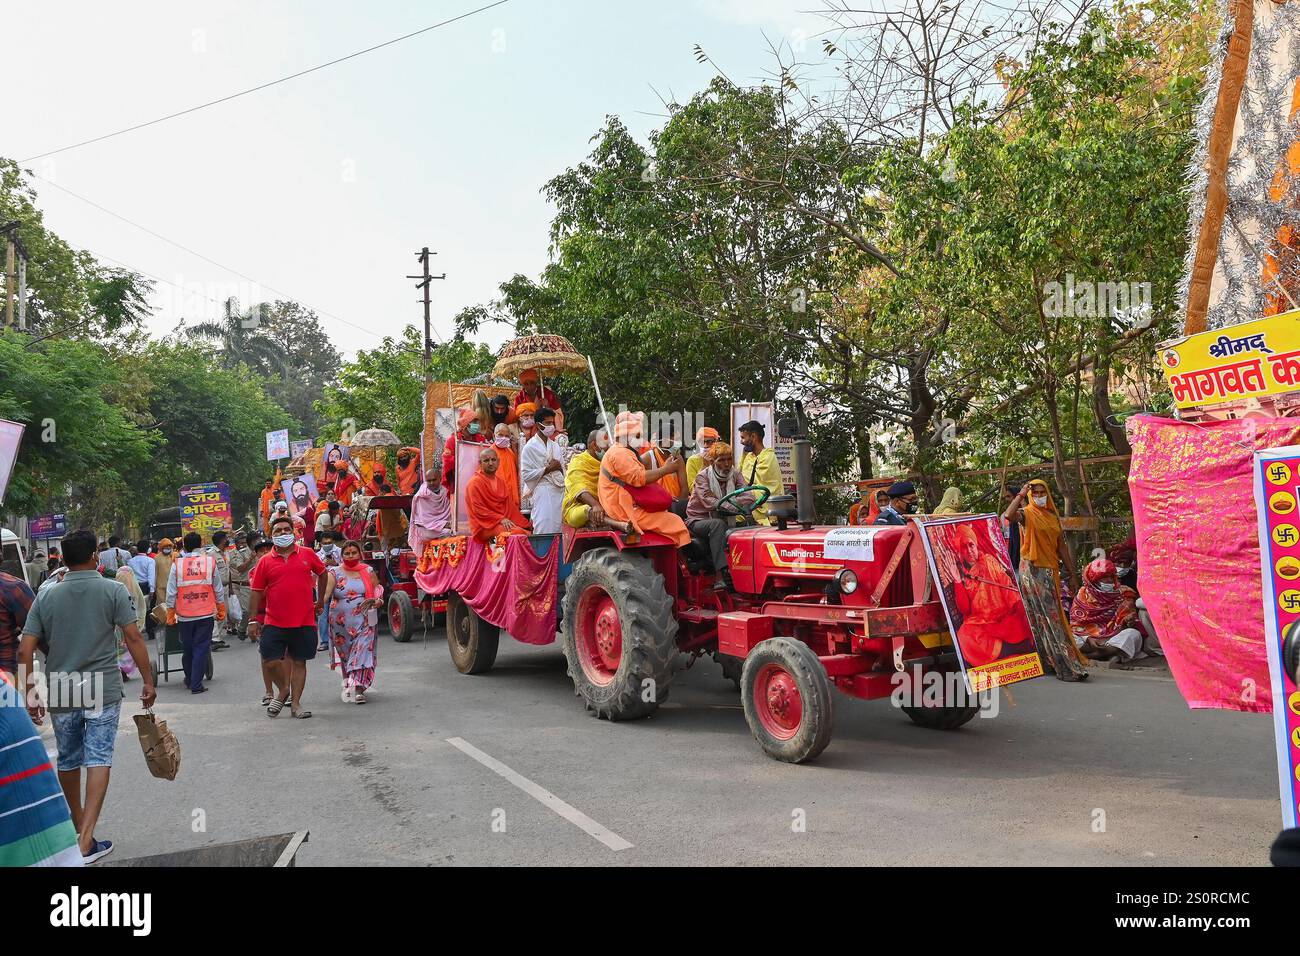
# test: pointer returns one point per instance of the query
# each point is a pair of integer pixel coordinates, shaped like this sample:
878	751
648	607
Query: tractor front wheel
952	708
620	636
787	699
472	640
400	616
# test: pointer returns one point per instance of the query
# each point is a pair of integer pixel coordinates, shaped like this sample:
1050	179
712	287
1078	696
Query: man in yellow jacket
758	466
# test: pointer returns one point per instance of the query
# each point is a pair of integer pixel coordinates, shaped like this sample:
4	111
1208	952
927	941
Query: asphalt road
507	768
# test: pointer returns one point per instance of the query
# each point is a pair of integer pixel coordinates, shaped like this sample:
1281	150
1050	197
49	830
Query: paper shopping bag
162	751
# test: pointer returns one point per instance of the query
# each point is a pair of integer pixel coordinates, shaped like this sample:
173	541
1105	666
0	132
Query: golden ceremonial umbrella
545	353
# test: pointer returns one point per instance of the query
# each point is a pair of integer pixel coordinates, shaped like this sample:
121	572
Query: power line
172	242
262	86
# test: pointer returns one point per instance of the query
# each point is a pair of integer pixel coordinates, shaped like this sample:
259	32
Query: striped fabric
35	824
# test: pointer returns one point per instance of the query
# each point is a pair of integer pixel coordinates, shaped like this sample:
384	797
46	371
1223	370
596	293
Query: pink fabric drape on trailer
516	592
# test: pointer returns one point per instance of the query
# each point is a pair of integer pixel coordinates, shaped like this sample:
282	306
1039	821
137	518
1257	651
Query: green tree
81	428
212	422
70	294
241	339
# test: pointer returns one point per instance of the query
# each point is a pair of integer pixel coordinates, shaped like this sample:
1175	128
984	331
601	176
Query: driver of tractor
902	501
718	503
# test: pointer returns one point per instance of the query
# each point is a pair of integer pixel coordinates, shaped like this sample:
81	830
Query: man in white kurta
541	467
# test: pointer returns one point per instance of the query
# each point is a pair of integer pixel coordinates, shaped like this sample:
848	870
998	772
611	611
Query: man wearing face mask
508	468
672	481
581	502
289	583
758	465
467	430
162	569
902	501
542	470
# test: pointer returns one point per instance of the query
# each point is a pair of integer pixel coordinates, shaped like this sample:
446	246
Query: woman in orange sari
621	467
1042	550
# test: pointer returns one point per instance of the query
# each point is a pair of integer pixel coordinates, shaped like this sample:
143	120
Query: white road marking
543	796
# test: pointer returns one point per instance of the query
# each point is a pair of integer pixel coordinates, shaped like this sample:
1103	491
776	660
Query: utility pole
426	281
19	273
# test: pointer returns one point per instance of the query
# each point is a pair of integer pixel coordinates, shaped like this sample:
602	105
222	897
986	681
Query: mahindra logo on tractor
799	554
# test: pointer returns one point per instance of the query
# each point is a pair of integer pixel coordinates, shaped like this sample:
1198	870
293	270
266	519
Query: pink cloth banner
515	590
1198	552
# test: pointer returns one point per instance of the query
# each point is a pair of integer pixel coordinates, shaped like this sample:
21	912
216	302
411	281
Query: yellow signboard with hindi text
1247	360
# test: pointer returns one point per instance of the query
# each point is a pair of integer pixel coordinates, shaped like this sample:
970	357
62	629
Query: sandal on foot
275	707
359	697
300	714
266	700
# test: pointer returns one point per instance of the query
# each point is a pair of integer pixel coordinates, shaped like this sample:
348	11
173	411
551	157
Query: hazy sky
322	188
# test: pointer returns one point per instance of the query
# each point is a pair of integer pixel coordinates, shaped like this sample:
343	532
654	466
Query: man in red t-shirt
289	586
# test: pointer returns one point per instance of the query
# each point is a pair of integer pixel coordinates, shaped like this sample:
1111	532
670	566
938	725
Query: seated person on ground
491	509
1104	616
706	523
622	476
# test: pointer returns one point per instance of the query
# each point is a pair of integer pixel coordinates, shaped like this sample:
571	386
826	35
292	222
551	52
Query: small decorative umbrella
546	353
375	438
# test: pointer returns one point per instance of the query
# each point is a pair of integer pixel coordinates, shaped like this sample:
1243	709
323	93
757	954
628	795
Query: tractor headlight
847	581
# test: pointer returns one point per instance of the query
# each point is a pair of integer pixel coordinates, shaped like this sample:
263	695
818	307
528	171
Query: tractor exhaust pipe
796	427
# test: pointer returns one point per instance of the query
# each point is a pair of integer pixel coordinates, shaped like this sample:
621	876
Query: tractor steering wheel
738	509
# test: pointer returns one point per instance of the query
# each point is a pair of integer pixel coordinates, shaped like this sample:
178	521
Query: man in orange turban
492	511
533	393
621	467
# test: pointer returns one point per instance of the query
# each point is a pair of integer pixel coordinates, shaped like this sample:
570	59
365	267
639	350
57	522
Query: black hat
901	489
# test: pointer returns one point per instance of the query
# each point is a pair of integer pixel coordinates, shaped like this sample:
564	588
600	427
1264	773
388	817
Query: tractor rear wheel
400	616
955	708
787	699
620	636
472	640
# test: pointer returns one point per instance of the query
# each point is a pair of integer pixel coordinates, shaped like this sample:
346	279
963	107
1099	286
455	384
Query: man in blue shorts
74	624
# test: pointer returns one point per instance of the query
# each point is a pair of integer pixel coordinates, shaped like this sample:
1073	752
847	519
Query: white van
12	559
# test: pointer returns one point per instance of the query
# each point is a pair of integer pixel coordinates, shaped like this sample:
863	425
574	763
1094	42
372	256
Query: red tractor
796	625
395	570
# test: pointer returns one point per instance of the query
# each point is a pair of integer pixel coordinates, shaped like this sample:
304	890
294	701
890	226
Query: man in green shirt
73	624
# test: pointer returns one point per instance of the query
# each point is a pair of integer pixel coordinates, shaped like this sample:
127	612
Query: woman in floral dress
355	596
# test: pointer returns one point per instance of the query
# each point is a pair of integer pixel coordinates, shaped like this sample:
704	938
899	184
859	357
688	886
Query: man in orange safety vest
195	599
